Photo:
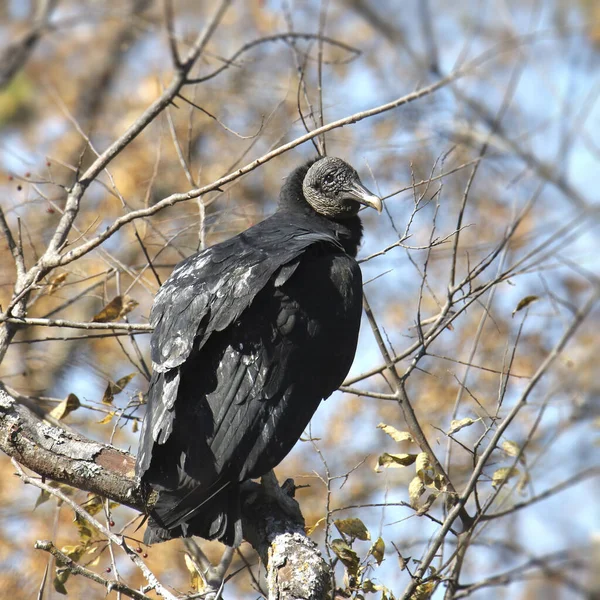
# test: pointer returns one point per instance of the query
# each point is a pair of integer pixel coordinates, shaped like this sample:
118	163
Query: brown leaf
56	282
524	303
110	312
353	528
112	389
68	405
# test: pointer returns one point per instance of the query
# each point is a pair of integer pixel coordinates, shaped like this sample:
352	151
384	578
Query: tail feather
218	518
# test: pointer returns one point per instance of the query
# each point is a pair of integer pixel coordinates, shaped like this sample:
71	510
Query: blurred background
515	136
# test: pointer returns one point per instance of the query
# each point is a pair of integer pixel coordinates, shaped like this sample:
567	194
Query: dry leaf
196	581
424	591
86	531
128	305
377	550
107	418
353	528
458	425
43	497
423	467
55	283
347	556
110	312
504	474
398	436
68	405
310	529
415	491
395	460
524	303
112	389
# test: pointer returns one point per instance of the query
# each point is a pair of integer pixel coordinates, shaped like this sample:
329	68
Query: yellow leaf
94	562
398	436
458	425
415	490
86	531
512	449
525	302
423	468
523	483
395	460
310	530
107	418
56	282
353	528
68	405
94	504
73	552
431	498
196	580
423	591
503	474
377	550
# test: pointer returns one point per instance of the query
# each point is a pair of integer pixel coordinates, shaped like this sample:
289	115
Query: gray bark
295	567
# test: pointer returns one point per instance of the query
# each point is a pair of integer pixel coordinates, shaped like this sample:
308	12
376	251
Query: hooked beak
357	191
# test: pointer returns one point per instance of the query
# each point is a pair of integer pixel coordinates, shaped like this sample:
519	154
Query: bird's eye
329	178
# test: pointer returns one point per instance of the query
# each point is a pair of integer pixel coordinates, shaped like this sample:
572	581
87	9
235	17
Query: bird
250	335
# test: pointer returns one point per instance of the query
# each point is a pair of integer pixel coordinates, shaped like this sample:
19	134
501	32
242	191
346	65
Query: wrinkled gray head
332	187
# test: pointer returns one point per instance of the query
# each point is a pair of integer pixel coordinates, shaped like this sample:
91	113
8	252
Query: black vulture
249	336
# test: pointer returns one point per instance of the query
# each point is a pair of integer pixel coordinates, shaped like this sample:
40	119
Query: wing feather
205	294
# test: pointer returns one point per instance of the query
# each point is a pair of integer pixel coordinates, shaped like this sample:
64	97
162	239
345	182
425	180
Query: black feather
249	336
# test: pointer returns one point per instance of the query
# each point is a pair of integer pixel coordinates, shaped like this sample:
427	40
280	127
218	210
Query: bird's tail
176	515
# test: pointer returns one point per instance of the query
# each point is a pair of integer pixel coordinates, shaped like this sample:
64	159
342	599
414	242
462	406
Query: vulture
250	335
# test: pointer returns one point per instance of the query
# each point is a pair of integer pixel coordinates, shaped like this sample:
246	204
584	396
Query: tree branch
66	457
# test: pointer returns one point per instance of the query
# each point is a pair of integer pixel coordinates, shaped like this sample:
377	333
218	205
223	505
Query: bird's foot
283	495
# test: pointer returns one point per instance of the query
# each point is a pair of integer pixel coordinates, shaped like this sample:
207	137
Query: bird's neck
347	231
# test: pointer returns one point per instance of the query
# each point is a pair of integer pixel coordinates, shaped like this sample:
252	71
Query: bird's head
332	187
